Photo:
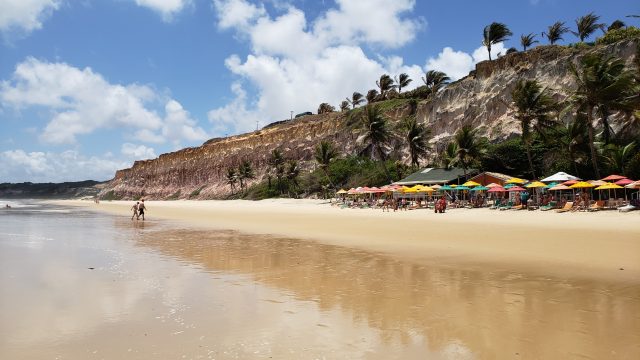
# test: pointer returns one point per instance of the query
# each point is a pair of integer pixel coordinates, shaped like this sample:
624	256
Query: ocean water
76	284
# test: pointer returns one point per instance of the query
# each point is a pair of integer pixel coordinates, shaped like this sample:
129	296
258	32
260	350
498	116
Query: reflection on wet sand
451	312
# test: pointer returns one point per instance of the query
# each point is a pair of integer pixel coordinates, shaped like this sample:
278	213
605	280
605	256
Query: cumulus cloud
19	166
139	152
296	64
81	102
457	64
25	15
166	8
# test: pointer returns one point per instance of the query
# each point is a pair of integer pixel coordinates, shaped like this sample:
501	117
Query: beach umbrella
471	184
550	185
560	187
560	177
597	182
461	187
341	191
497	189
624	182
509	186
535	184
445	187
609	186
516	181
480	188
436	186
581	185
492	185
614	178
570	182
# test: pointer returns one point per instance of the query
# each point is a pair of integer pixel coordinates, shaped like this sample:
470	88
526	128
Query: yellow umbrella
535	184
408	190
471	184
516	181
609	186
341	191
581	185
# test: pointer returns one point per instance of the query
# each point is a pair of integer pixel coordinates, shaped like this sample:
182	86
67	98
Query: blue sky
89	86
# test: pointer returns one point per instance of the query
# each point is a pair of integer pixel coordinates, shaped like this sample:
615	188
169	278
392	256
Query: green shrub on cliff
615	35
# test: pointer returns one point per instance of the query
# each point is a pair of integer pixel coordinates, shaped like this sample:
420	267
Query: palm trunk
489	51
326	173
592	145
528	148
384	165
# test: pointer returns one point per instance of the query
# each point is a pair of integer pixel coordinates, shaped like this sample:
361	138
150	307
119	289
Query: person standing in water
135	210
141	209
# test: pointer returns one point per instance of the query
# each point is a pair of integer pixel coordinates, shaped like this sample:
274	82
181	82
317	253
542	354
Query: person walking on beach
135	210
141	209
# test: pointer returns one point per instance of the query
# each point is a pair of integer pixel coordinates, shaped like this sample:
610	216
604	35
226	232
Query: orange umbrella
614	178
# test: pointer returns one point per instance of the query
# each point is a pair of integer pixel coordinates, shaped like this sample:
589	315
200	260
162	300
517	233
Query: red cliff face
478	99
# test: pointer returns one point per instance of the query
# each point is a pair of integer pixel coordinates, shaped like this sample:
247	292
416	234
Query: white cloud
19	166
25	15
295	65
457	64
167	8
81	102
237	13
138	152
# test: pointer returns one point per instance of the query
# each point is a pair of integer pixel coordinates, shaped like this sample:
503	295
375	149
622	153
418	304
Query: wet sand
159	289
603	245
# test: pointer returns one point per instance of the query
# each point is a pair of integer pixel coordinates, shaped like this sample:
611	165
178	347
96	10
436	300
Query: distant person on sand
8	206
135	210
141	209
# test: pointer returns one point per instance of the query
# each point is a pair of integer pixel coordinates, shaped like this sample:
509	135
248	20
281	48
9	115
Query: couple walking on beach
138	210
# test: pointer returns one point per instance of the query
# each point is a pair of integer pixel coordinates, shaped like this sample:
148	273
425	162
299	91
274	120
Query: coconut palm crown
495	33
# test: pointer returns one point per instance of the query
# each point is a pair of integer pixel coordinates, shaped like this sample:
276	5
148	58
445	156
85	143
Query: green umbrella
446	187
509	186
480	188
552	185
461	187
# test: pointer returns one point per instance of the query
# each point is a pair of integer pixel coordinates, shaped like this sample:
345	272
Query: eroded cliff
479	99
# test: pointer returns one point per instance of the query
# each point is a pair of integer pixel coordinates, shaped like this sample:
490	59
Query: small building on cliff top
432	176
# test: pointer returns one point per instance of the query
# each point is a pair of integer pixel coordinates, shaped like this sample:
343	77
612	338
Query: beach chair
598	205
506	206
549	206
567	207
496	204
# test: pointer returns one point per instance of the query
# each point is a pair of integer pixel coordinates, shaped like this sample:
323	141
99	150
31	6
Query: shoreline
582	245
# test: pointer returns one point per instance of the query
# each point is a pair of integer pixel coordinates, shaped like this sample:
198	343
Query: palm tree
495	33
232	178
435	80
572	139
344	106
587	25
617	156
372	96
276	162
618	24
385	84
245	173
603	82
448	158
527	40
325	153
533	106
470	147
292	174
416	135
325	108
375	134
403	81
356	99
555	31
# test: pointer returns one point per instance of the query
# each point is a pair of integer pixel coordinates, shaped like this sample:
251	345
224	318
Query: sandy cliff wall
478	99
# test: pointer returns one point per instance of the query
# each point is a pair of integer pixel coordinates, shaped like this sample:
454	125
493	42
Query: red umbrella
614	178
497	189
623	182
570	182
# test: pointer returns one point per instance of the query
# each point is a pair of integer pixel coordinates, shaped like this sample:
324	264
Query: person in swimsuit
135	210
141	209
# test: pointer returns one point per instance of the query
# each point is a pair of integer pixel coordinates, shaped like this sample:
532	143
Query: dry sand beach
603	245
